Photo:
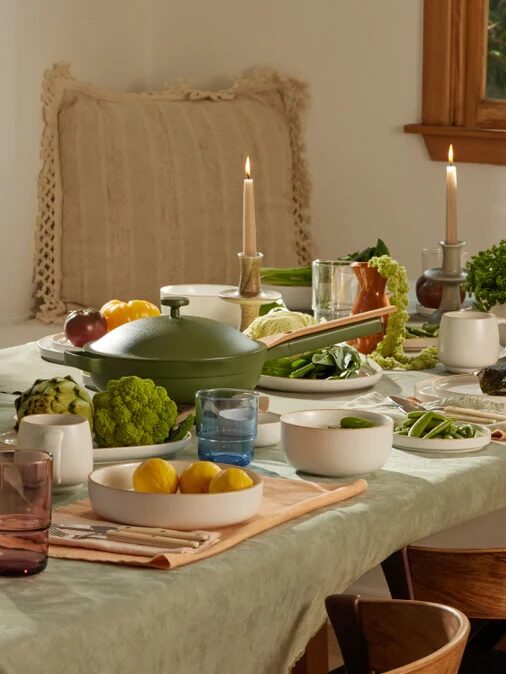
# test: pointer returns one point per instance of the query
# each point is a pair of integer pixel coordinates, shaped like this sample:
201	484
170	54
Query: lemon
196	478
230	479
155	476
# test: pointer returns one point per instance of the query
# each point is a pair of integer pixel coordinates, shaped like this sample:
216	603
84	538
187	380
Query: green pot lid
174	338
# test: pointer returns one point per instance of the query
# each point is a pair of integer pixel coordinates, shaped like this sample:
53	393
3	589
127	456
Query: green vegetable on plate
432	425
276	321
133	411
339	361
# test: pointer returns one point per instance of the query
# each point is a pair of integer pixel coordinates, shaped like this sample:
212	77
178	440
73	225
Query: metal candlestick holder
450	276
249	295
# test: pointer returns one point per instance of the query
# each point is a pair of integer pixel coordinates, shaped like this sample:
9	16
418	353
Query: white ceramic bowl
112	497
296	298
312	447
268	429
204	301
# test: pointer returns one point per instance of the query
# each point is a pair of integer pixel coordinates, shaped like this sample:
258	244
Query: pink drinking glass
25	511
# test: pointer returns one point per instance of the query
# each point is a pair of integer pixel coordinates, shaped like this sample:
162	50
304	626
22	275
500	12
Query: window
464	80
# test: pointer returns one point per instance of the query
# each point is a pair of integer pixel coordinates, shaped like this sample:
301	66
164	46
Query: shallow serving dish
312	447
112	497
438	445
268	429
296	298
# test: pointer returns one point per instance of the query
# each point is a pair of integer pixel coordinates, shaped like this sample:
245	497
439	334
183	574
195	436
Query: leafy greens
339	361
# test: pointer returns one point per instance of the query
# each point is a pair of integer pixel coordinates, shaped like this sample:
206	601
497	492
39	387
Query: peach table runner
283	500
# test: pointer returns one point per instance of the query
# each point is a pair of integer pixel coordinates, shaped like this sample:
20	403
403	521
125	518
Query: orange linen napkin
283	500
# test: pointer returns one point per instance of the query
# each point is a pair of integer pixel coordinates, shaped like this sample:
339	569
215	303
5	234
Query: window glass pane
496	49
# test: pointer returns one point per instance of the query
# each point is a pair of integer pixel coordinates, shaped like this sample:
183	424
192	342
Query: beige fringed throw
139	190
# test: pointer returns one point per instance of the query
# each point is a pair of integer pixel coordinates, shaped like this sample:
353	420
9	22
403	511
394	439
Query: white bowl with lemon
176	494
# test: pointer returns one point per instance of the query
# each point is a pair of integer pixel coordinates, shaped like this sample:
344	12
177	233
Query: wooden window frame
454	106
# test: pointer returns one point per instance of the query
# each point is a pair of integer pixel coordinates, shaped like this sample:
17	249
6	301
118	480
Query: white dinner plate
51	347
369	374
438	445
113	454
464	384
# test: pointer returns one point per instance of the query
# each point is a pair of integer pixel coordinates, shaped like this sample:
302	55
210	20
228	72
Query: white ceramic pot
204	301
314	443
112	497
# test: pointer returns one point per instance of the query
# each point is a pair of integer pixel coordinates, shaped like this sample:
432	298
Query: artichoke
59	395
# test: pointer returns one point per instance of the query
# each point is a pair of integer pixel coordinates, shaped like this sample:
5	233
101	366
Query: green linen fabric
252	609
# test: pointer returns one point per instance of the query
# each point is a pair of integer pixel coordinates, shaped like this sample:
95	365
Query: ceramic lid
174	338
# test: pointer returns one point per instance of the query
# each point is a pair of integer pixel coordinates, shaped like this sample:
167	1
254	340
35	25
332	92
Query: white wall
362	58
107	42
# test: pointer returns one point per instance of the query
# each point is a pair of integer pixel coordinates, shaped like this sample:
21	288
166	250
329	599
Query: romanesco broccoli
133	411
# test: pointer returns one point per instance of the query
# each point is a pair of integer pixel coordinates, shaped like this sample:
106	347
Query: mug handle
500	321
51	443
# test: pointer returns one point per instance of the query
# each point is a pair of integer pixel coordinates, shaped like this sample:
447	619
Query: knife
406	405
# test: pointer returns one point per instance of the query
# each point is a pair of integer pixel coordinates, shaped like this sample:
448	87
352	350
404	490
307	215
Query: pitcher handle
52	443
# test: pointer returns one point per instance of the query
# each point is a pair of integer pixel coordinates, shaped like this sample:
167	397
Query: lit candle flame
247	168
450	154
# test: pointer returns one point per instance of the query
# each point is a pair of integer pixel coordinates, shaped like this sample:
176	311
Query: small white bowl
296	298
312	447
268	429
112	497
205	301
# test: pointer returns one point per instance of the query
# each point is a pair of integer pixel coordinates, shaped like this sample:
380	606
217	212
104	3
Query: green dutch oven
188	353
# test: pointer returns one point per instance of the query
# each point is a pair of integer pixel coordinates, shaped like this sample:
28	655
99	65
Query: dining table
254	608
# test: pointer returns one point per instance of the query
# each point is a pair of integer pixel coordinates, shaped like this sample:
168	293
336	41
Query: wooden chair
471	580
397	636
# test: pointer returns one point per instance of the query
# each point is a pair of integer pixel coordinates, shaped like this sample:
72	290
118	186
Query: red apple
84	325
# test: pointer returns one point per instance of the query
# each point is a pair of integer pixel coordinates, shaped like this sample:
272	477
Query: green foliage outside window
496	57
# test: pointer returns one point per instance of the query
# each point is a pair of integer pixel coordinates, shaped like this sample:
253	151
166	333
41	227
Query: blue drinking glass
226	421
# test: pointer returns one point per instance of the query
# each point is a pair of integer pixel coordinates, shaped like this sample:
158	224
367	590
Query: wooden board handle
274	340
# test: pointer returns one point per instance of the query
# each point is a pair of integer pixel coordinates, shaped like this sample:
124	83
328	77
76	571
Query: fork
55	531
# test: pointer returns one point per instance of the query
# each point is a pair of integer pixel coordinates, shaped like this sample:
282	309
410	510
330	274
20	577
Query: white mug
68	438
469	340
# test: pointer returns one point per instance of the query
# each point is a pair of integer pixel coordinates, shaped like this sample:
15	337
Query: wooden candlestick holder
450	276
249	294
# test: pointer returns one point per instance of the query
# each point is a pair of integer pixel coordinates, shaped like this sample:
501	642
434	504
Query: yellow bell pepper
117	312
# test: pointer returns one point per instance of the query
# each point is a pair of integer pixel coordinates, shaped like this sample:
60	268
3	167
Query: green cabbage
278	320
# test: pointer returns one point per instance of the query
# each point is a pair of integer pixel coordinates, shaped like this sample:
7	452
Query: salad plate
464	384
114	454
439	445
368	375
51	347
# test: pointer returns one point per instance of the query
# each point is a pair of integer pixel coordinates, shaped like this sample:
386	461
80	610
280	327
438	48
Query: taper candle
451	199
249	232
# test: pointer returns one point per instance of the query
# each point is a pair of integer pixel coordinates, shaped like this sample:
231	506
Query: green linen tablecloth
250	610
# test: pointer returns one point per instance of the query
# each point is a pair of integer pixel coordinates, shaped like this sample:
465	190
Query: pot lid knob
175	303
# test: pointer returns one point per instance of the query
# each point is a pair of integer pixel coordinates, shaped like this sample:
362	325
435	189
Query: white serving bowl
296	298
268	429
205	301
312	447
112	497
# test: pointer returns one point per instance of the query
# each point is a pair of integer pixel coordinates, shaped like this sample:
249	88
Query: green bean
302	371
443	426
417	429
416	414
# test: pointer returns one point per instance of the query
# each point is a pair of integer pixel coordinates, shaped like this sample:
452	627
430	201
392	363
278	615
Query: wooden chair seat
472	580
398	637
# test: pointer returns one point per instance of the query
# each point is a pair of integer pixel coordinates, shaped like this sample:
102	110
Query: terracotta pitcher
371	295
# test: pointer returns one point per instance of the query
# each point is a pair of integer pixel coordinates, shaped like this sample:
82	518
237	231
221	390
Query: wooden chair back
396	636
471	580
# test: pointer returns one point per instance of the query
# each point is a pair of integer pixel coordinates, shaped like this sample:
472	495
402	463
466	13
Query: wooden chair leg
316	658
396	571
